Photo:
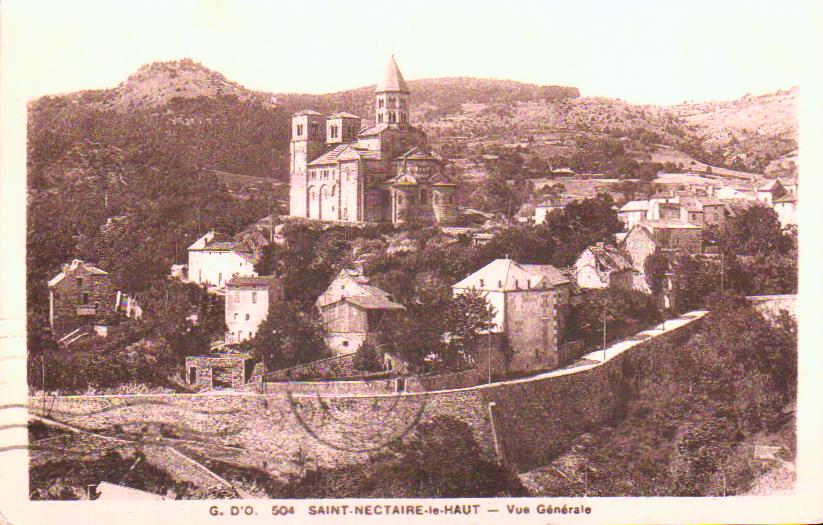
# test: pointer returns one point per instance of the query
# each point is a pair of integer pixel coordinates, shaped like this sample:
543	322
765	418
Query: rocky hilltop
197	115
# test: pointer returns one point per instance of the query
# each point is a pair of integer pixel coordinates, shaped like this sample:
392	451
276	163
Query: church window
380	118
381	103
423	196
334	132
333	190
314	128
299	130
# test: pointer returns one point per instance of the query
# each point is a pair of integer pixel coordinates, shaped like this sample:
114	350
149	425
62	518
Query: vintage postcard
384	262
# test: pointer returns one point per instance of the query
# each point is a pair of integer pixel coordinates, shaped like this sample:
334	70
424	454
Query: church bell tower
391	98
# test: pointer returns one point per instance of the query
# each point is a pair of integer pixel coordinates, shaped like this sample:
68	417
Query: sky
651	52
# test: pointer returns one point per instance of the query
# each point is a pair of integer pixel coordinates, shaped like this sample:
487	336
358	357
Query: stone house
213	260
249	299
702	211
786	208
530	304
352	311
770	191
81	295
225	371
633	212
675	235
604	266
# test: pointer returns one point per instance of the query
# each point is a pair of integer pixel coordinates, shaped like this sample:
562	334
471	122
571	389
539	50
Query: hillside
210	122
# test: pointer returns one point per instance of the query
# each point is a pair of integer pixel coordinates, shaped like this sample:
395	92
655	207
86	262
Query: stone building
352	311
249	299
343	171
703	211
226	371
768	192
604	266
81	295
214	259
786	208
530	304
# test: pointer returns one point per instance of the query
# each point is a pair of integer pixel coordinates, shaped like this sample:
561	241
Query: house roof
789	197
667	224
635	206
252	280
507	275
342	114
610	258
769	186
392	79
307	112
73	266
352	286
420	153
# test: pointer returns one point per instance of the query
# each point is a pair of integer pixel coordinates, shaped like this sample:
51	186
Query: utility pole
604	331
489	352
43	370
722	283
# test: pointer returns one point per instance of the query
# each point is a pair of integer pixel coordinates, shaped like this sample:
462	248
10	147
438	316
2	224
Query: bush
368	358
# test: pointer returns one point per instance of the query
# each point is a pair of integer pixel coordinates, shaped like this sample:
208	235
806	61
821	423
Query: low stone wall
463	379
771	305
532	420
337	367
325	388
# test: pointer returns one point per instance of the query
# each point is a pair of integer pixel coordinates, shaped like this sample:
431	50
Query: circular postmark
357	423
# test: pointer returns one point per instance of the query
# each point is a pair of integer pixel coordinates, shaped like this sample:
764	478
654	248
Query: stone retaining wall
535	418
337	367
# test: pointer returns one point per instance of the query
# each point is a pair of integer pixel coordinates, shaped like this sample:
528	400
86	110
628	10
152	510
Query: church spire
391	97
393	79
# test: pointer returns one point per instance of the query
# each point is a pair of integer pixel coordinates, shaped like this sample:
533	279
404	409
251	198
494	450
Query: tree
368	358
466	316
288	337
756	231
655	269
501	198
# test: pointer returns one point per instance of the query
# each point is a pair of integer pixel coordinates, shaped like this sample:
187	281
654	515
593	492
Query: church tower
308	138
391	98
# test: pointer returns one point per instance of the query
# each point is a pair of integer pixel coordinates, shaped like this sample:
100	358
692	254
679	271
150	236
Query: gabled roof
352	286
342	114
72	267
635	206
610	258
420	153
667	224
373	130
252	280
769	186
789	197
392	79
332	155
507	275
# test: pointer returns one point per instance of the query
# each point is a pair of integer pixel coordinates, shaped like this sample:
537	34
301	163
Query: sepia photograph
420	261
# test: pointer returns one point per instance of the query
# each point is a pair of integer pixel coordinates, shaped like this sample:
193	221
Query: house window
79	282
423	196
345	344
254	298
500	284
247	317
482	283
85	298
235	318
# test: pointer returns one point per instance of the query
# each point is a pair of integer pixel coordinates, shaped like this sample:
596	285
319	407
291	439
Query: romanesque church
342	171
